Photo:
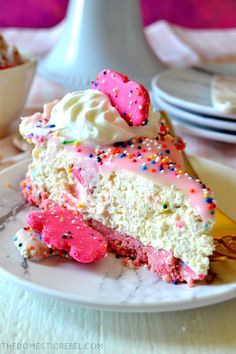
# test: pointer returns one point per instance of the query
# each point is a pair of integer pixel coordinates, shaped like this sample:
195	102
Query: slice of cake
105	153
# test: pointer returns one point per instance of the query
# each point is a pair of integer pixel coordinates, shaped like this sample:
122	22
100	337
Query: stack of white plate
185	94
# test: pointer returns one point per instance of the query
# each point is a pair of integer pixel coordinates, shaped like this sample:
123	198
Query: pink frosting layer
158	160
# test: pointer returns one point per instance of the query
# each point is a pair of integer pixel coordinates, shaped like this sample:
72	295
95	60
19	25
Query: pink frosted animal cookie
130	98
64	229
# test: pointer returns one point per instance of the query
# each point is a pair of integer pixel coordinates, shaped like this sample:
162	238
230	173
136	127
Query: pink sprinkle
180	224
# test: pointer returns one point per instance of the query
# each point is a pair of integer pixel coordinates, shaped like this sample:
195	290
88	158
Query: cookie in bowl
17	71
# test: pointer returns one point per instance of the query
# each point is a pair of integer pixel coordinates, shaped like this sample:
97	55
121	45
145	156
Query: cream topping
87	117
155	160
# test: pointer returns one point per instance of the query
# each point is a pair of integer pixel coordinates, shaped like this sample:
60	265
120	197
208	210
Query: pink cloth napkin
175	46
37	41
178	47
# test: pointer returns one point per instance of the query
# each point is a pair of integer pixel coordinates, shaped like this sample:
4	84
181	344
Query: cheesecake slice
127	180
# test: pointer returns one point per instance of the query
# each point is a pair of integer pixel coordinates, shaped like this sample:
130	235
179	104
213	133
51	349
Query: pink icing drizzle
126	158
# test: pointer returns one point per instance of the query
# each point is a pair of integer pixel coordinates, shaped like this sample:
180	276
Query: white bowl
15	85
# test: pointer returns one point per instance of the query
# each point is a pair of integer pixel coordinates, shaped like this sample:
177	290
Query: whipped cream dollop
88	117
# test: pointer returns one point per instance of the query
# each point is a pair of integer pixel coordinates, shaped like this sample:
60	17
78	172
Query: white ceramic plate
207	122
220	68
198	125
202	133
188	89
107	284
